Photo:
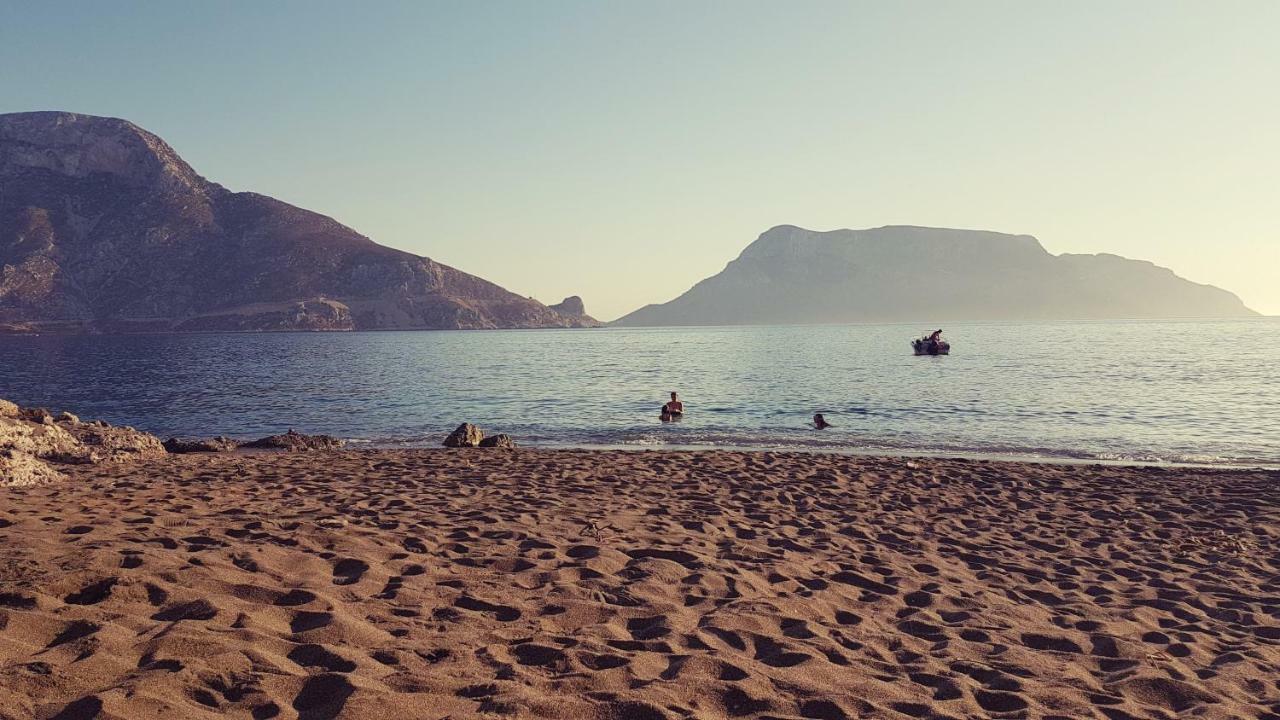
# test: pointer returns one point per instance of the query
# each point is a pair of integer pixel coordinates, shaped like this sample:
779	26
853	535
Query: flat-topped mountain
908	274
103	227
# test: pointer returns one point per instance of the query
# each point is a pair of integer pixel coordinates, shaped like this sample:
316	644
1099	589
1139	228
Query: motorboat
925	346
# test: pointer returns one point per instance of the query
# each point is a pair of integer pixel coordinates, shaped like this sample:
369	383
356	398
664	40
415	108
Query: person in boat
935	339
673	409
819	422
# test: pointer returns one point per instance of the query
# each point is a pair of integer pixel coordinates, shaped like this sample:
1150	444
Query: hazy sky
623	151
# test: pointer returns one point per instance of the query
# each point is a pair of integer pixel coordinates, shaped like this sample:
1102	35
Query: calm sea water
1192	391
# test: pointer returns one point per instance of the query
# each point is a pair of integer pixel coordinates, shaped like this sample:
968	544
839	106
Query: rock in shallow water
500	440
467	435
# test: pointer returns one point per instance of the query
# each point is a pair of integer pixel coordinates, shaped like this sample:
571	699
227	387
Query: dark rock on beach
500	440
467	435
294	441
200	445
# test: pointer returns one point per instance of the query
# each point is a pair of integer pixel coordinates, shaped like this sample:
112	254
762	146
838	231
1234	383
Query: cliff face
573	307
103	227
907	274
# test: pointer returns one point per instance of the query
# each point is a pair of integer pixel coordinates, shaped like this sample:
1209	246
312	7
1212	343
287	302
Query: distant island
104	228
791	275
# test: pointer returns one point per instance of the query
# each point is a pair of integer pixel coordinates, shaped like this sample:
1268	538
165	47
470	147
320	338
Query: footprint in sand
194	610
74	630
312	655
348	571
305	620
92	594
16	601
294	598
85	708
322	697
503	613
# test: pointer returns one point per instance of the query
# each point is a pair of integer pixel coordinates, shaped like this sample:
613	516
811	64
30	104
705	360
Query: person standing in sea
674	409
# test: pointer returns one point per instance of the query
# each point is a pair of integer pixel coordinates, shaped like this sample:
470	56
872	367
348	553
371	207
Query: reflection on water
1197	391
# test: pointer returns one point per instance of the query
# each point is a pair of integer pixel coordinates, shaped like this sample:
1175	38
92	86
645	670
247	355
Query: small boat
925	346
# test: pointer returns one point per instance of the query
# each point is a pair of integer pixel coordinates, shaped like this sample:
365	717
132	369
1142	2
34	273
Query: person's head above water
819	421
673	394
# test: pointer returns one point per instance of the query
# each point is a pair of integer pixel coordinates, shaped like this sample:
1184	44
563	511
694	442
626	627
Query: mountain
915	274
103	227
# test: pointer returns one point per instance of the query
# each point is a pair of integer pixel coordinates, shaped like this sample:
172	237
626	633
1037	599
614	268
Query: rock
33	437
294	441
36	415
500	440
30	441
467	435
200	445
116	444
314	315
32	431
18	469
575	312
571	305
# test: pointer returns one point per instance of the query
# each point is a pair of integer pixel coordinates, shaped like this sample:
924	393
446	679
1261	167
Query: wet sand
612	585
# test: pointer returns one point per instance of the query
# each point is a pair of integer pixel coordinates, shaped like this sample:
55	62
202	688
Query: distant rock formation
104	228
913	274
33	443
573	307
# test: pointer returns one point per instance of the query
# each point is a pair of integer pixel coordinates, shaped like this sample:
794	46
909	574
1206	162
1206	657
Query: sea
1184	392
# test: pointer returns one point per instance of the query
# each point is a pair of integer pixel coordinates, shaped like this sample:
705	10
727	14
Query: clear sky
625	150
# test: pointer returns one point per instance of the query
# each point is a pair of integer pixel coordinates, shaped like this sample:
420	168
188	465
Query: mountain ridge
105	228
910	273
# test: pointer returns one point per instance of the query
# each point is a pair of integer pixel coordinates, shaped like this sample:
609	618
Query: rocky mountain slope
902	273
103	227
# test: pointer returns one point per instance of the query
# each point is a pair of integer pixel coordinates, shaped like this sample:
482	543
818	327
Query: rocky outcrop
790	275
108	443
180	446
466	435
294	441
573	307
19	469
319	314
104	228
33	441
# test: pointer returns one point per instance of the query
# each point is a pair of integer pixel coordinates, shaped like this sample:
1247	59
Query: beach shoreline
638	584
1057	457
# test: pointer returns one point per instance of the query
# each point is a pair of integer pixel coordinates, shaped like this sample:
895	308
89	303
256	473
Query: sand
472	583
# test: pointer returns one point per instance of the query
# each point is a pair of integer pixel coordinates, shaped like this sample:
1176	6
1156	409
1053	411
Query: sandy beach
614	585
